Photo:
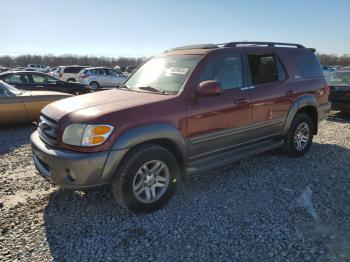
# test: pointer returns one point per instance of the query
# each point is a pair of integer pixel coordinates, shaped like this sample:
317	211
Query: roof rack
203	46
270	44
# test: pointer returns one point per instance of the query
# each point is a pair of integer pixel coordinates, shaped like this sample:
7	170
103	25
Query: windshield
165	74
339	78
10	88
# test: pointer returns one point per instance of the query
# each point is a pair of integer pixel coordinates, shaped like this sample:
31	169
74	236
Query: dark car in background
28	80
339	83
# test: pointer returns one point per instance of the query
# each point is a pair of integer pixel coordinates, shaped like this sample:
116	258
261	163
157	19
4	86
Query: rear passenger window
225	68
265	68
72	70
307	64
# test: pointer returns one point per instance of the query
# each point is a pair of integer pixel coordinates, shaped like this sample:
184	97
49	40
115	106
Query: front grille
47	130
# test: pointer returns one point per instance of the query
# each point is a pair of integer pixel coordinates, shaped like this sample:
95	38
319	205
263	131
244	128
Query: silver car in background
100	77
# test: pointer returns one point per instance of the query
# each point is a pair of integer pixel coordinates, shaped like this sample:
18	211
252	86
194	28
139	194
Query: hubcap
151	181
301	136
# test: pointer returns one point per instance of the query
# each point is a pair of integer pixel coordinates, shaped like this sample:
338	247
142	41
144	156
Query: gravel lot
252	210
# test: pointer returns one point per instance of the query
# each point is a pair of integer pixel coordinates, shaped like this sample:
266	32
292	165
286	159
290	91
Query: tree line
52	60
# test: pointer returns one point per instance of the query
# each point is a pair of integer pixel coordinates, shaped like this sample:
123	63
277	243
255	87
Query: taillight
326	89
83	76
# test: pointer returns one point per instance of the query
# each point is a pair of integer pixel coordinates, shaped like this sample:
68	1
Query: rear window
307	64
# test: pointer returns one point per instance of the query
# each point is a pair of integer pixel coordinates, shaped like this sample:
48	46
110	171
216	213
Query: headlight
86	135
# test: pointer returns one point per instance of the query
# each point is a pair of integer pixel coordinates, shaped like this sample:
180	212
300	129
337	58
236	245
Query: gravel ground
268	207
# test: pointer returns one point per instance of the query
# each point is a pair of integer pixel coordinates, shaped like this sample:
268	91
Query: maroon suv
187	109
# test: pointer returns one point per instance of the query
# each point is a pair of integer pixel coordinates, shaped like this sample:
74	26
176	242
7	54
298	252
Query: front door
223	121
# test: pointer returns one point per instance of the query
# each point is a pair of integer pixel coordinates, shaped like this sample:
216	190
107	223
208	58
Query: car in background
339	84
4	69
344	68
130	69
17	106
98	77
27	80
67	73
38	68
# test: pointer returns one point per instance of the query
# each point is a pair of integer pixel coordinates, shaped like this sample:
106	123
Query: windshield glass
339	78
10	88
163	74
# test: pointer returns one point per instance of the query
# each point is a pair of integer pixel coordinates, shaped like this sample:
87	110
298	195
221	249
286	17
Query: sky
144	28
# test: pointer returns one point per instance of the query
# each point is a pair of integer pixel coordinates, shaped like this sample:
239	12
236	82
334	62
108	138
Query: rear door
102	77
271	94
43	82
223	121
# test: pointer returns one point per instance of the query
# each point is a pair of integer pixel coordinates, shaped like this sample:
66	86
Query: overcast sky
144	28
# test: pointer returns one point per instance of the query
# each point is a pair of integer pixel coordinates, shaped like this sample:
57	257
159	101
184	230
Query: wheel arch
164	135
305	104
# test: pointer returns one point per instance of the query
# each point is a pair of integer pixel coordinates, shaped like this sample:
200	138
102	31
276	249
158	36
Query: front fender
138	136
300	102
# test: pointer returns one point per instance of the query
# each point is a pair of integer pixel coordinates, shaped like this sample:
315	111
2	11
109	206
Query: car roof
202	49
97	67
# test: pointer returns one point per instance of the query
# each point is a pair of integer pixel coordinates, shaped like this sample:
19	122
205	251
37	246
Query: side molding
306	100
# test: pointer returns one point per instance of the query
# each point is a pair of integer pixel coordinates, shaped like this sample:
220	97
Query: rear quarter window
307	64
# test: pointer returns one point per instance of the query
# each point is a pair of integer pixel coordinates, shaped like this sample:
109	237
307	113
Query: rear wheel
146	179
94	85
299	137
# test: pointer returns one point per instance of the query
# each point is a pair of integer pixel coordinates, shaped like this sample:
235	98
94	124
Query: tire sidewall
300	118
127	183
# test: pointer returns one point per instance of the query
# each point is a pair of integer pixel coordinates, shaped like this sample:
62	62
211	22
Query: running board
232	155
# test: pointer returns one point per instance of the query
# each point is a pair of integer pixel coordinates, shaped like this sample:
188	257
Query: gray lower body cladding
74	170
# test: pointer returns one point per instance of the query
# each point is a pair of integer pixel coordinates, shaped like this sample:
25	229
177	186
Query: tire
76	93
292	144
71	80
128	177
94	85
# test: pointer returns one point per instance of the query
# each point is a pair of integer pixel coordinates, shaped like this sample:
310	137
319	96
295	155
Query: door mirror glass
209	88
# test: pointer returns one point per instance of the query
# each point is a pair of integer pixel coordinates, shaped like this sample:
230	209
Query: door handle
290	92
240	101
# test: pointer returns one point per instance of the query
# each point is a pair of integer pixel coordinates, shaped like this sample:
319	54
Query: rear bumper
71	169
341	105
324	111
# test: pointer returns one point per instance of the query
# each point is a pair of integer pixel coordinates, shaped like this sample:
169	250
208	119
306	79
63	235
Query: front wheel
146	179
299	137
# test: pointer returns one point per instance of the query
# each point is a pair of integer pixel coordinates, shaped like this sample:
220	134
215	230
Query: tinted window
101	72
225	68
38	79
265	68
307	64
17	79
113	73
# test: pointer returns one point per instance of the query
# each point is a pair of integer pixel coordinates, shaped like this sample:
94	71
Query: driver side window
226	68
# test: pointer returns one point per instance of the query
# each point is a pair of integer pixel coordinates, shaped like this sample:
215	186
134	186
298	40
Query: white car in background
97	77
67	73
38	68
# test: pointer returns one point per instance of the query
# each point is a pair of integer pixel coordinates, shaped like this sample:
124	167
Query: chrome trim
247	88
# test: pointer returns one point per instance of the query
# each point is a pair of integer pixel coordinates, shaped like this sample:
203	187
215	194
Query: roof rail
270	44
203	46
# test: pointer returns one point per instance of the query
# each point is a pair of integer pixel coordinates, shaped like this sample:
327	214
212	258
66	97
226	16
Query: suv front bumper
74	170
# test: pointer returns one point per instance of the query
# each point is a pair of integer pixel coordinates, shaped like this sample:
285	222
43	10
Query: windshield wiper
125	87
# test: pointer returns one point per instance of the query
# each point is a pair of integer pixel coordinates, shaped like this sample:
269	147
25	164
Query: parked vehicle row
28	80
18	106
189	109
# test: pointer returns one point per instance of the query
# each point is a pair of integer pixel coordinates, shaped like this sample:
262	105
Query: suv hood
93	105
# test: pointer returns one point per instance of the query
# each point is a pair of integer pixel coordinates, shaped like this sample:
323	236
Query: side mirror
209	88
